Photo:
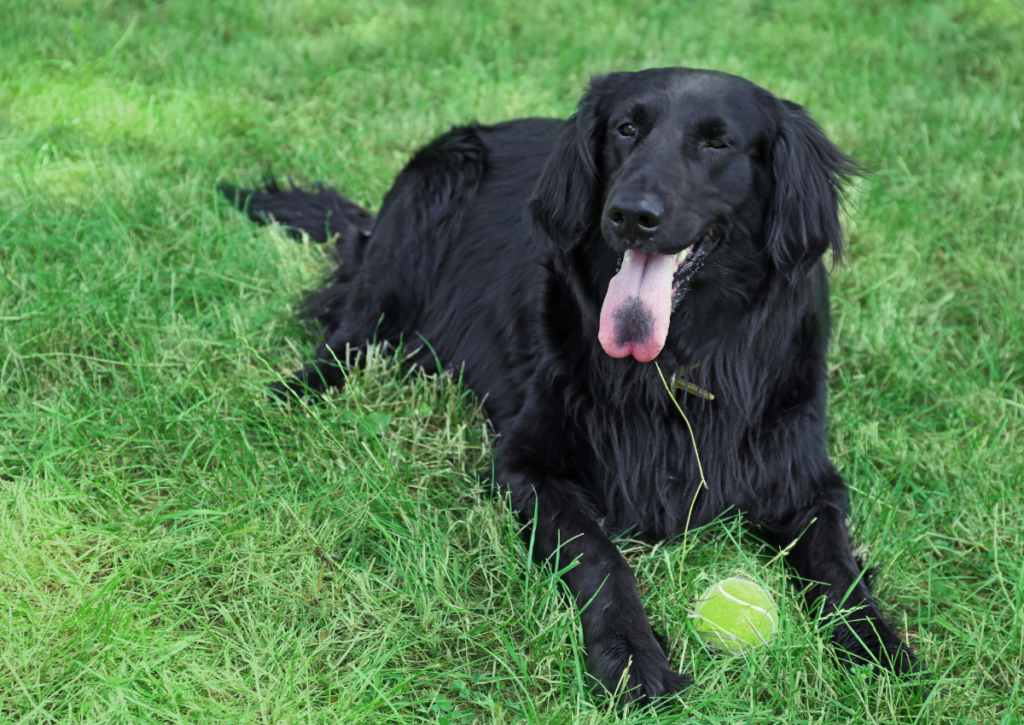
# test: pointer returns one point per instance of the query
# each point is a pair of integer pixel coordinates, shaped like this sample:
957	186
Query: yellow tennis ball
735	616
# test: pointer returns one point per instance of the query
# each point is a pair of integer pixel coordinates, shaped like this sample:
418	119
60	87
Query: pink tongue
638	305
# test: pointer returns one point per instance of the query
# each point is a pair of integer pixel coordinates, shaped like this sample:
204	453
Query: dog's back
451	272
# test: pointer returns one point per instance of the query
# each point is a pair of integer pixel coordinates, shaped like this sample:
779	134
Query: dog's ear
566	196
810	172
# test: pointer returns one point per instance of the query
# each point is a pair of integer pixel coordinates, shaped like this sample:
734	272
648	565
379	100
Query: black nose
635	217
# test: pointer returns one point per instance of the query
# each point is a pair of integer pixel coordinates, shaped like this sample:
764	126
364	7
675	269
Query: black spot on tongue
633	322
637	306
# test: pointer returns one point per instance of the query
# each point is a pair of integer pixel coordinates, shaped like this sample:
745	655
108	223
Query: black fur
493	246
324	215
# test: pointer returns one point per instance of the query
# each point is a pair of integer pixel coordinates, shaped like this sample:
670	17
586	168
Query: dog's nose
635	217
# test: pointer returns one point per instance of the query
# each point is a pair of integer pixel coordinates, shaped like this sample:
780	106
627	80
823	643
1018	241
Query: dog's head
680	171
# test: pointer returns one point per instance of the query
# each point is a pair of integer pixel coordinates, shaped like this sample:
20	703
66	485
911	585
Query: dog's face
688	176
684	157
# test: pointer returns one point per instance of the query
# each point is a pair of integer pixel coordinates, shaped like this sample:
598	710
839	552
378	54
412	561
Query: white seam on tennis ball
723	635
764	612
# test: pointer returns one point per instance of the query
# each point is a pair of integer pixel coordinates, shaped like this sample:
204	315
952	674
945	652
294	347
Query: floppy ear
803	218
566	196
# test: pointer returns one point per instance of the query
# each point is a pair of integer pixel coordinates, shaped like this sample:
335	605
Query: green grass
165	532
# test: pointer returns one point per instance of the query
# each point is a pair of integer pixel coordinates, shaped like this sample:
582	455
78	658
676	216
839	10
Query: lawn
175	548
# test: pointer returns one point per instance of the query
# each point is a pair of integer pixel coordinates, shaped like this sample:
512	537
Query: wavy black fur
490	246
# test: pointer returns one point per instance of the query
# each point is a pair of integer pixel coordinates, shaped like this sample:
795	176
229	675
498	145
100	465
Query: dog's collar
686	386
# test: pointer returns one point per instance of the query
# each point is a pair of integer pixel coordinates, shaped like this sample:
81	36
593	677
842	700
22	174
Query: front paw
876	646
633	667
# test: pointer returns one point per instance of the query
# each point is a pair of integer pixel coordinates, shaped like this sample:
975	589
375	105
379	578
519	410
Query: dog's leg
823	557
567	534
385	264
617	634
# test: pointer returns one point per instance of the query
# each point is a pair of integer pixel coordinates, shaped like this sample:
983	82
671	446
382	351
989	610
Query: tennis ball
735	616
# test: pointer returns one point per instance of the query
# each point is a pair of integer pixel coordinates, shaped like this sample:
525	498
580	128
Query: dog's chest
647	472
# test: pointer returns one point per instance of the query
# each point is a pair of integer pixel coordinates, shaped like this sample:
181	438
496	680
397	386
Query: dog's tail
321	213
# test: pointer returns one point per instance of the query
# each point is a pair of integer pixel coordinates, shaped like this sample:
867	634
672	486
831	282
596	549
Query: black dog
678	220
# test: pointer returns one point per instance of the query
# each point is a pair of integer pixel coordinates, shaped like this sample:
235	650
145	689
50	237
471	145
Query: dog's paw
901	660
633	668
885	653
895	658
293	389
307	385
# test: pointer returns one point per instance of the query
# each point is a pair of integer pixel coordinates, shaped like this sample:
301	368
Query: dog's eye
716	143
627	129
